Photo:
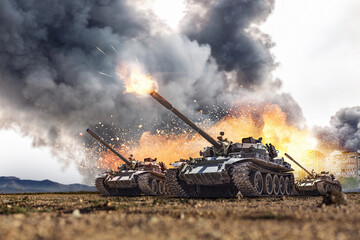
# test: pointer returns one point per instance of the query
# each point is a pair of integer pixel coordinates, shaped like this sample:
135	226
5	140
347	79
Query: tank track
143	183
173	184
320	187
99	183
319	190
240	175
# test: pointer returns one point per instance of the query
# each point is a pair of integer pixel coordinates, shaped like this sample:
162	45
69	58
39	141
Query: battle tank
226	167
133	177
315	184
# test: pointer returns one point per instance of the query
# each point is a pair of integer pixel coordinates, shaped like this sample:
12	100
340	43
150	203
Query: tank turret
222	146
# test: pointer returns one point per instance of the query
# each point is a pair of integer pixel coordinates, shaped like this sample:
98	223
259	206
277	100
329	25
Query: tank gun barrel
108	146
288	156
168	105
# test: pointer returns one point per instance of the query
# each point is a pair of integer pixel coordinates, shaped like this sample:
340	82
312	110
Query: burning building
344	164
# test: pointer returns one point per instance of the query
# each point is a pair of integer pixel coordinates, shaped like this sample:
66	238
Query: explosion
267	121
135	80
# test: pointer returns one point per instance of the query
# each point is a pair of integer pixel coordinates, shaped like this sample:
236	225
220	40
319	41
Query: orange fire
135	80
269	123
266	121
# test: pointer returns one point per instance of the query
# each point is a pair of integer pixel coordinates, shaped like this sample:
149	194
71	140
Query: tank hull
131	183
227	176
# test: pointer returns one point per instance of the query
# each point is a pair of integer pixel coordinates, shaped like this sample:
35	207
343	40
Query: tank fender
136	173
232	161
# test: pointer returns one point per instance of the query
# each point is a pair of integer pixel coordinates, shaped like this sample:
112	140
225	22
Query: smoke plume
344	130
57	63
226	27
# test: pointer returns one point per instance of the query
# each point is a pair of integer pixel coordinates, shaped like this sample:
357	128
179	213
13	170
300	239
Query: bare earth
91	216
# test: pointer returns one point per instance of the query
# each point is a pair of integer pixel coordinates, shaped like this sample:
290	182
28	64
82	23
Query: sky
318	48
318	51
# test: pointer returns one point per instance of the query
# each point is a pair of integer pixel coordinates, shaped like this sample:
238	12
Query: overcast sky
317	46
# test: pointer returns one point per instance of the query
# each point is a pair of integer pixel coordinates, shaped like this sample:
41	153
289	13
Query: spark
100	51
114	49
107	75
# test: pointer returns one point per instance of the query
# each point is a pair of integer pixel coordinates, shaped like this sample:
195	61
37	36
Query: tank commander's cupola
220	138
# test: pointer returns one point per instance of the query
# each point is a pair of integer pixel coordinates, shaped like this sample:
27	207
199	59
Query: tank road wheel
161	187
287	186
268	184
257	182
282	185
276	185
154	186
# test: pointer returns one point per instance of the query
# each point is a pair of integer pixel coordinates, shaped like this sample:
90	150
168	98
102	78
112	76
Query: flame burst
135	80
267	121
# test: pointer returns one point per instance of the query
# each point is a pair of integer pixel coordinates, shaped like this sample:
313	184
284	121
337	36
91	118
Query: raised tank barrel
107	146
168	105
288	156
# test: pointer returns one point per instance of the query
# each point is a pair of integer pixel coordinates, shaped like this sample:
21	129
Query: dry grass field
91	216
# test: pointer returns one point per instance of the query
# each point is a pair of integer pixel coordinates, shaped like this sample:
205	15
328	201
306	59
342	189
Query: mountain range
17	185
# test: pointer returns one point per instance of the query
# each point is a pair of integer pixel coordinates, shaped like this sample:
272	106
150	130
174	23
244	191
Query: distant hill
17	185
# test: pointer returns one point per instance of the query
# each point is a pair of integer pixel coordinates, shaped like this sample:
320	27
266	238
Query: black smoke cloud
50	86
344	130
225	26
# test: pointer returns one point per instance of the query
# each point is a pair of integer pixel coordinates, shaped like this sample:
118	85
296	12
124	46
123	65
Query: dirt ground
91	216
